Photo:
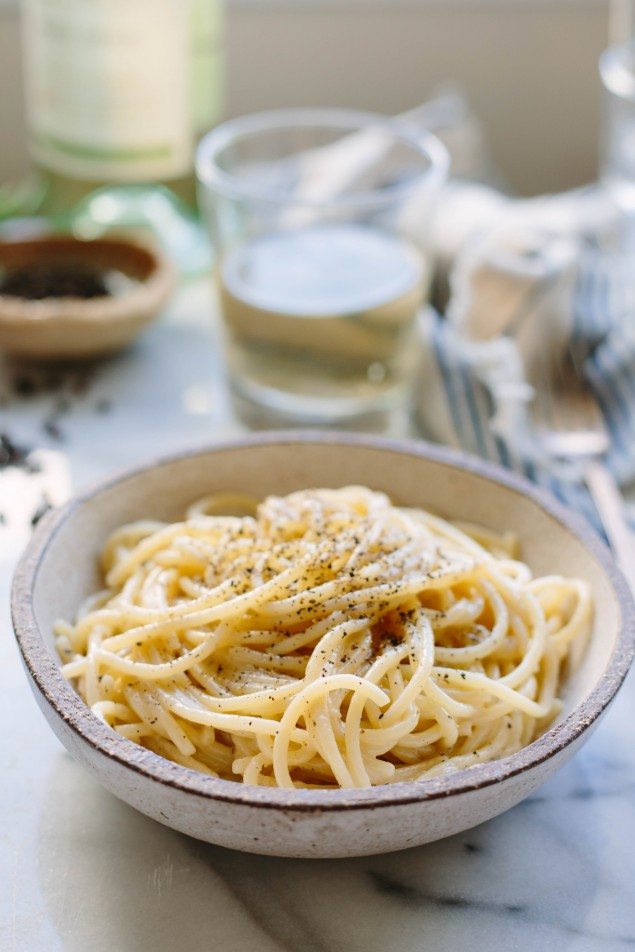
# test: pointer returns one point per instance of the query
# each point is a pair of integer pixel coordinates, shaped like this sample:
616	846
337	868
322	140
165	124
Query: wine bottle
118	91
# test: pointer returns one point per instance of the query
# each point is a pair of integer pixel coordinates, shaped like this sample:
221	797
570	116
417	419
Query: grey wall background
529	68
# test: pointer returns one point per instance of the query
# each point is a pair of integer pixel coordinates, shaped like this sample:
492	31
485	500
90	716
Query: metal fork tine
567	417
544	403
570	425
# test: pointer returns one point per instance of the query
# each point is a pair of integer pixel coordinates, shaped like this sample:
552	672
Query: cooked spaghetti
325	639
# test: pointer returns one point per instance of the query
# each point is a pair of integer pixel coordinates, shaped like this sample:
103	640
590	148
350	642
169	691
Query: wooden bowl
69	328
59	569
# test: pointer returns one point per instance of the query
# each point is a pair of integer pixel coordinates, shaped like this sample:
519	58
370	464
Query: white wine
118	91
320	322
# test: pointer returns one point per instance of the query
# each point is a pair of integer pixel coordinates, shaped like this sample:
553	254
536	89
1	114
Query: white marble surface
81	871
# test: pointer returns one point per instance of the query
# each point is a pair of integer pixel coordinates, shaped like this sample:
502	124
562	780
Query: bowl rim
67	705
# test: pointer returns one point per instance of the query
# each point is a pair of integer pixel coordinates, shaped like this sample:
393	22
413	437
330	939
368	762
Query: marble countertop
79	870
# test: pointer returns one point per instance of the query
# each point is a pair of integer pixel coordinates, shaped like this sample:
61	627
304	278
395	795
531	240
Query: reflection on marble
82	871
555	872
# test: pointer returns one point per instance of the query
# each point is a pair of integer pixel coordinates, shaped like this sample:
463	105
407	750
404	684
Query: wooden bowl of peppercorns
64	298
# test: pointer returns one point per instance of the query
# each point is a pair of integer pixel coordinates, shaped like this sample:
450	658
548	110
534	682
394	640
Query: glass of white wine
319	220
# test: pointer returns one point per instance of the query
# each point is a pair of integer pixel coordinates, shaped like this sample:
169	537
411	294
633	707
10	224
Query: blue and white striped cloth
604	320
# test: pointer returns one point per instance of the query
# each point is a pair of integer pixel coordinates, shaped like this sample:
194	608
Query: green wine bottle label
116	88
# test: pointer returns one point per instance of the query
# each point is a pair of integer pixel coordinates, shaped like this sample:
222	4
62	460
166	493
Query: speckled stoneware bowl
59	569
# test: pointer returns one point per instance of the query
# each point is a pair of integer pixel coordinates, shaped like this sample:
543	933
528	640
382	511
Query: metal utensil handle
610	506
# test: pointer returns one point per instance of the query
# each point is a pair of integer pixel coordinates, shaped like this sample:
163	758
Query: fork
570	426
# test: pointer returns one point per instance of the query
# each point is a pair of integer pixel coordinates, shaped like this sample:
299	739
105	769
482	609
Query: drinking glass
617	140
320	221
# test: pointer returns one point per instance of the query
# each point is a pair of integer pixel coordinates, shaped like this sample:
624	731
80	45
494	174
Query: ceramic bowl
73	328
59	569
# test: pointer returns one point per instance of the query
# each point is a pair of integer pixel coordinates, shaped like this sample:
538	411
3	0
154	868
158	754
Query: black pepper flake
24	386
11	454
41	510
52	428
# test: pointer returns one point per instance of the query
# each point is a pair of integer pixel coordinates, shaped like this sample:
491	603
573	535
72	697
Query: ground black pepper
54	279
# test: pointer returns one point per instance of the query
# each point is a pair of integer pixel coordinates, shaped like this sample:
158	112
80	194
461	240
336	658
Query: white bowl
59	569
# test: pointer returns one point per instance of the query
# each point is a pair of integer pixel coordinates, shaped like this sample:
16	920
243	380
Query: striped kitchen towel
454	406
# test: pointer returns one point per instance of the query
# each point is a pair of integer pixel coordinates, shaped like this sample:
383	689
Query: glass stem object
622	21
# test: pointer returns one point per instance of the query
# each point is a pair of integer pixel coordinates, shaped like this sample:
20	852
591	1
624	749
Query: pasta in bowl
324	672
329	638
